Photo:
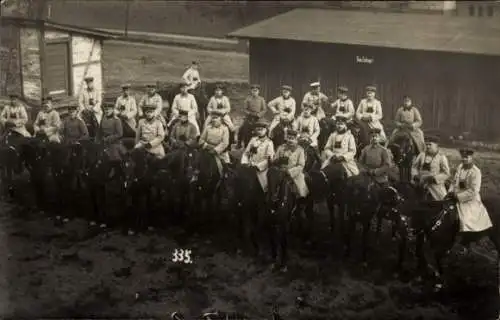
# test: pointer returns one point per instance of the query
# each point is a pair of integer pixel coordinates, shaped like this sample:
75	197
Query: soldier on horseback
73	128
152	98
48	122
220	103
14	118
185	101
215	139
192	76
279	104
255	109
308	126
341	148
343	106
430	169
291	157
150	133
408	122
126	110
375	160
315	99
369	114
183	133
90	101
258	153
110	134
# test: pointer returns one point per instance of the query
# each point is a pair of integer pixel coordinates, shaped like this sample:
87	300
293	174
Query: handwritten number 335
181	255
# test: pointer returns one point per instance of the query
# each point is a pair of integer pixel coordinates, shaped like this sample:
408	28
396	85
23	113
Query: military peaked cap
151	85
13	95
72	107
148	107
432	139
371	88
126	86
255	86
466	152
406	96
219	86
216	113
315	84
107	105
375	131
340	118
88	79
47	98
289	88
342	89
183	113
261	124
292	133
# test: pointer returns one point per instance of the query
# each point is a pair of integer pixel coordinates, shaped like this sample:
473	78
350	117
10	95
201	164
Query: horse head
135	166
280	187
402	149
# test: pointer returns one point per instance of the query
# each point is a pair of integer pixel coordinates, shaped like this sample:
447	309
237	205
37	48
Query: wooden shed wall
455	92
10	60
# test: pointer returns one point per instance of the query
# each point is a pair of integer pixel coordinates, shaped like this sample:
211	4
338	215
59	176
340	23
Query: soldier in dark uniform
73	128
110	134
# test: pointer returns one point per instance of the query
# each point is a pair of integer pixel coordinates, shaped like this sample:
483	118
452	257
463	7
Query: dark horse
246	130
435	223
11	160
278	134
326	128
404	151
90	121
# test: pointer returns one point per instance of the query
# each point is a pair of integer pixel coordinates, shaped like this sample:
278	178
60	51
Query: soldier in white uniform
14	118
316	100
192	76
219	102
126	110
150	133
278	105
185	101
152	98
292	158
341	147
465	189
408	120
48	122
369	112
91	99
258	153
215	139
343	106
430	169
308	126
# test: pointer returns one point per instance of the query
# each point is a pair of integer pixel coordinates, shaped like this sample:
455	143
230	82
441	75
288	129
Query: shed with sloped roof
449	65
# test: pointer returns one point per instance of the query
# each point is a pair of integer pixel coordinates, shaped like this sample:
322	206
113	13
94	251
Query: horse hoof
58	217
65	220
284	269
130	233
102	226
92	223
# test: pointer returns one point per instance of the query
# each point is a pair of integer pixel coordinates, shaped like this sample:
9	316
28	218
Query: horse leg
349	232
379	217
283	242
365	242
402	247
331	210
422	265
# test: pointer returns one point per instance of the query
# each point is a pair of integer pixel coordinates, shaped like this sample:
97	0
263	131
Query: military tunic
49	123
222	105
308	127
154	100
436	166
341	145
16	115
151	132
409	116
183	132
278	106
295	166
218	138
377	158
126	109
317	101
192	78
74	129
258	153
473	214
372	108
110	132
91	100
255	105
185	102
344	108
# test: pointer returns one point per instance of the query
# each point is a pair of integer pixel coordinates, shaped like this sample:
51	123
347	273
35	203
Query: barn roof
6	20
392	30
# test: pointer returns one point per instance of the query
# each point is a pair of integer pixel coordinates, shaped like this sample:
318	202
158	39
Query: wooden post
127	10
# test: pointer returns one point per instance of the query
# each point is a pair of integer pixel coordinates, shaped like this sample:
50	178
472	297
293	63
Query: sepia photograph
257	160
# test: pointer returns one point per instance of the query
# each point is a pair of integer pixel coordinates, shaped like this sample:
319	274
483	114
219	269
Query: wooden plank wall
455	92
10	62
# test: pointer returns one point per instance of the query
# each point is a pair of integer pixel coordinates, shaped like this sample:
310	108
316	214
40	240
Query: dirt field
52	271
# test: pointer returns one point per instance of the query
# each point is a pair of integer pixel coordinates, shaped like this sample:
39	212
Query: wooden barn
45	58
449	65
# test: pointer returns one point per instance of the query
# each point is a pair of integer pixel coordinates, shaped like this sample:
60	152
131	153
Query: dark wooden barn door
57	68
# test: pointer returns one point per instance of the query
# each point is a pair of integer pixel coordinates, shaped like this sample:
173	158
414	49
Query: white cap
315	84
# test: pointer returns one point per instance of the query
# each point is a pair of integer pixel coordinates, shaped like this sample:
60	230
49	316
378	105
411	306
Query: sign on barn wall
365	60
30	68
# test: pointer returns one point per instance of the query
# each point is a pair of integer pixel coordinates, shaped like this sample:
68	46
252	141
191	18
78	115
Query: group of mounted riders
330	152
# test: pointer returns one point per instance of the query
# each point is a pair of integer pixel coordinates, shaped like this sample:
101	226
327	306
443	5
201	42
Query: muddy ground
66	271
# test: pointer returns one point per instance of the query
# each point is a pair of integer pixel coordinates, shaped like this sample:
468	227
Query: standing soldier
110	133
126	110
369	114
184	132
258	153
255	105
215	139
308	126
343	106
341	147
430	169
185	101
47	123
90	100
408	121
152	98
192	76
73	128
316	100
279	104
150	133
292	157
14	117
220	103
375	160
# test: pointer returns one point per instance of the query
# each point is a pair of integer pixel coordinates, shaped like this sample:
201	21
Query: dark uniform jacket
110	133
